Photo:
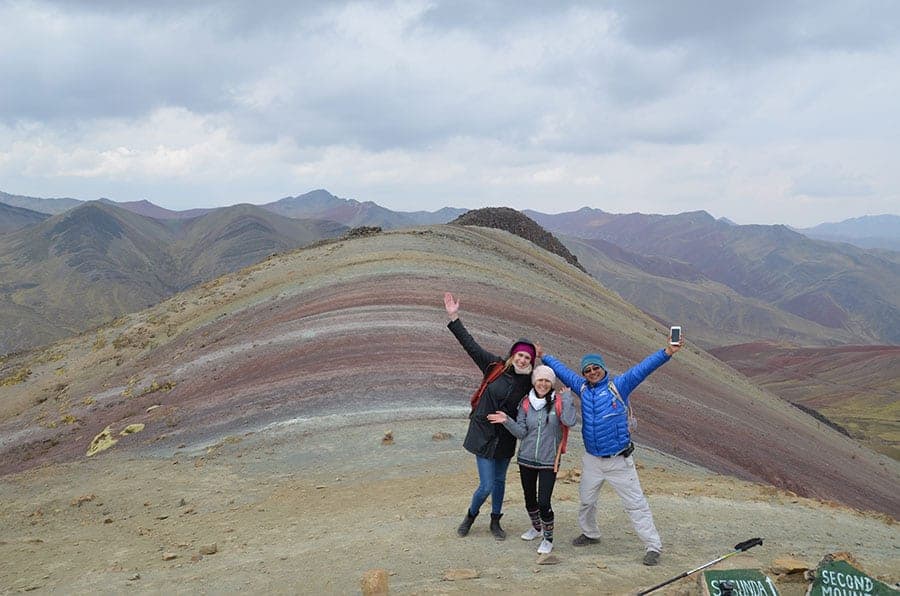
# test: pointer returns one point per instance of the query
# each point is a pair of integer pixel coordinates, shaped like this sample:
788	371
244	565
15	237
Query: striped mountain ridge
355	327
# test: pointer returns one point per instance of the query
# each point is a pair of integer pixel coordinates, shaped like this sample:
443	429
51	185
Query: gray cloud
110	92
824	182
733	33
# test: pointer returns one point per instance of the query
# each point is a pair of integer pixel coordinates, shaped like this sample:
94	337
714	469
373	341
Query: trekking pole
738	548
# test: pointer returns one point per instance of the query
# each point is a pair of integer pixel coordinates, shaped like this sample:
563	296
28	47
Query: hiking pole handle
748	544
738	549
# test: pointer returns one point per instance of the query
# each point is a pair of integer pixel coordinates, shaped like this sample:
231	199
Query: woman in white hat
542	418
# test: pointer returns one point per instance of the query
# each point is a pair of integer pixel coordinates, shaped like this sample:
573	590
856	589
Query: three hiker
506	381
607	442
605	415
539	425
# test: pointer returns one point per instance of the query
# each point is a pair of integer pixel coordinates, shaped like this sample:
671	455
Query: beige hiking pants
622	475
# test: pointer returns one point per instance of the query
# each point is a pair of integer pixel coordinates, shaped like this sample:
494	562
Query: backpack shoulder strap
612	388
564	440
557	405
632	419
494	371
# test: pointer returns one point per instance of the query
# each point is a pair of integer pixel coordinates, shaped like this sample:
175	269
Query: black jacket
484	439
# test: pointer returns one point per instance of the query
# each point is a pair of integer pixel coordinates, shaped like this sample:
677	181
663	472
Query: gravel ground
295	510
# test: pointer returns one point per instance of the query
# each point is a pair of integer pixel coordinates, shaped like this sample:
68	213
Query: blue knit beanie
593	359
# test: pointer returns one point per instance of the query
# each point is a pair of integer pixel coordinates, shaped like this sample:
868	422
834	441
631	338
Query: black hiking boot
496	530
582	540
466	525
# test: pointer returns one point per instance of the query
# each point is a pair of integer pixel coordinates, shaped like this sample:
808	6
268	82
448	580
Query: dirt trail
295	513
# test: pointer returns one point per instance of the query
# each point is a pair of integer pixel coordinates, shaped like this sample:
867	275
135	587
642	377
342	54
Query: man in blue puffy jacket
607	443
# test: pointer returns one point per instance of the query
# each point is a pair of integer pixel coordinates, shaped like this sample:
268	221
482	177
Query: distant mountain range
726	283
96	261
740	281
317	204
712	313
321	204
13	218
148	209
871	231
50	206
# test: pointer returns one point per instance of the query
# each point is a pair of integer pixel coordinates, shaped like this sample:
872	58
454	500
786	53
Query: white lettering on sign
845	584
742	587
836	591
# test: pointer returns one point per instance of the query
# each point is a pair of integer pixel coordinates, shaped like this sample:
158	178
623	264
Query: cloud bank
763	112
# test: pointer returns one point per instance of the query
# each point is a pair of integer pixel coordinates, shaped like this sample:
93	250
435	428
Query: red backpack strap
565	435
565	429
493	373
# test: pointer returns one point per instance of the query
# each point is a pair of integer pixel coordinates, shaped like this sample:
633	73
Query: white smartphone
675	335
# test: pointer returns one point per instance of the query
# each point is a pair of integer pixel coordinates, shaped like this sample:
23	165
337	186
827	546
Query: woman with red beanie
493	446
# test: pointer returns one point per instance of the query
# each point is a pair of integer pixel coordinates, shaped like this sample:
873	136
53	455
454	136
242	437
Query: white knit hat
543	372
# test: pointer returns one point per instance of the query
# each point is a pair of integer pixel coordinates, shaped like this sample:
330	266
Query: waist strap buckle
624	453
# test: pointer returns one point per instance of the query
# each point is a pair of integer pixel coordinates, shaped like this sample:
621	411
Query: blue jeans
491	481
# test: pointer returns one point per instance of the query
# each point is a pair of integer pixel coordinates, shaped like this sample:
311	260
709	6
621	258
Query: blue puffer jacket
604	420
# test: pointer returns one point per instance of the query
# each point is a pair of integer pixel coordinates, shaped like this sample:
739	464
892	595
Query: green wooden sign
840	578
745	582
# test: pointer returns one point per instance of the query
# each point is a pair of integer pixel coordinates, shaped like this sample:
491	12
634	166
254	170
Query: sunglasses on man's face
591	369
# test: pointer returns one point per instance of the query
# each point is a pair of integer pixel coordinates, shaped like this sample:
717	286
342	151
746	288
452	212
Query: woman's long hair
511	367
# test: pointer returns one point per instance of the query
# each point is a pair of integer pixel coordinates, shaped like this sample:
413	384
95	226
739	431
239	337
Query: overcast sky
762	111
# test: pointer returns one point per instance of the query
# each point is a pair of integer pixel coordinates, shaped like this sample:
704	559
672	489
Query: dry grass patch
15	378
157	386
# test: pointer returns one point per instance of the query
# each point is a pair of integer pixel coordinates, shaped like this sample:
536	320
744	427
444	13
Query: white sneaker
531	534
545	547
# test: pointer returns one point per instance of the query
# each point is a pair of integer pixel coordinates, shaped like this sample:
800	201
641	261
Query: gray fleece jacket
539	430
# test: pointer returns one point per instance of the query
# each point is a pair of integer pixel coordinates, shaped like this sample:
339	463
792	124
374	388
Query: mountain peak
516	222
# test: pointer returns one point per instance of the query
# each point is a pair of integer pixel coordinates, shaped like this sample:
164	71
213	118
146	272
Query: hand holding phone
675	335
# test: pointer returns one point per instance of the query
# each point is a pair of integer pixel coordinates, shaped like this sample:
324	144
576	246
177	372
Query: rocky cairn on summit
514	222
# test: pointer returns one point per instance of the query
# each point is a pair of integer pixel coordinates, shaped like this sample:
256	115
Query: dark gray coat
484	439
